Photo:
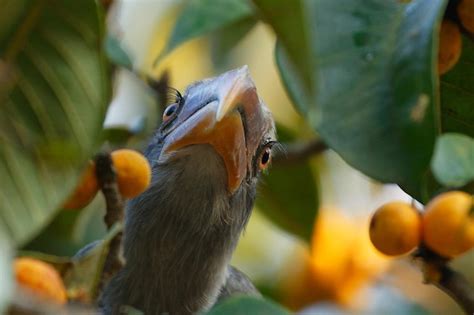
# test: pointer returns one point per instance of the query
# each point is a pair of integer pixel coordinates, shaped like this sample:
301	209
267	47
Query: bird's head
212	145
223	114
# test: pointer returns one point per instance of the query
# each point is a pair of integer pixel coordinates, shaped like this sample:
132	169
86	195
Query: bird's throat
179	238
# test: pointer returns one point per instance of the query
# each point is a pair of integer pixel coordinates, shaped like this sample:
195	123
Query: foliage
373	92
200	17
117	53
242	305
453	160
363	77
372	97
52	108
457	93
288	194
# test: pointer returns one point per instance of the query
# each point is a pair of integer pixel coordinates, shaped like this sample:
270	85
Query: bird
207	157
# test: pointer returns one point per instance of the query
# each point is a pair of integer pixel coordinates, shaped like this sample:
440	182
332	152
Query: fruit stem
437	272
456	286
106	176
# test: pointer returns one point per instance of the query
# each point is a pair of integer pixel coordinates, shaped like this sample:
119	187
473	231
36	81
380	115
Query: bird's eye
265	158
169	111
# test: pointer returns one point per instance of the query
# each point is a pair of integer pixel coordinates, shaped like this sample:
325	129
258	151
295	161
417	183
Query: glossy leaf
200	17
52	110
375	97
288	194
288	19
453	160
457	93
291	79
244	305
225	39
117	53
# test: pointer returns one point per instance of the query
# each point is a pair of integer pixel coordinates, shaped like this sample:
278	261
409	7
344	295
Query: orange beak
232	124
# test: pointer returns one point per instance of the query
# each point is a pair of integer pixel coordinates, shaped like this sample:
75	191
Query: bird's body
180	234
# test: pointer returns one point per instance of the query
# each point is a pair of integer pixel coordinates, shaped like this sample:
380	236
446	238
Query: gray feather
179	238
237	283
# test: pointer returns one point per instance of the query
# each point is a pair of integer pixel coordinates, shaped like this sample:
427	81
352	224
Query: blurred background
335	270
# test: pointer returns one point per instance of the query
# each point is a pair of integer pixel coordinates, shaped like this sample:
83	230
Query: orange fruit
448	224
395	228
339	265
133	172
450	44
85	191
466	14
40	278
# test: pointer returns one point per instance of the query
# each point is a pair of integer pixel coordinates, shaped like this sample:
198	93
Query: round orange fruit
448	224
450	44
133	172
395	228
40	278
85	191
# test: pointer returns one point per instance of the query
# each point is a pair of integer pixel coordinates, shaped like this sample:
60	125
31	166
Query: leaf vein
63	98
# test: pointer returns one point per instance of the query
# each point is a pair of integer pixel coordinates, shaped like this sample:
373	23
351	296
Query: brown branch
114	213
293	153
437	272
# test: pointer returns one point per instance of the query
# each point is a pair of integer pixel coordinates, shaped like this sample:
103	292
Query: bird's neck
179	239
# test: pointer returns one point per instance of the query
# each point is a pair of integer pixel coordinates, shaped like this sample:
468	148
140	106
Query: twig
114	213
293	153
437	272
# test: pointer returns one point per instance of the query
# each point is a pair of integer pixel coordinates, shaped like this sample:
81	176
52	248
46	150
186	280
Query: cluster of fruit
446	226
133	177
450	41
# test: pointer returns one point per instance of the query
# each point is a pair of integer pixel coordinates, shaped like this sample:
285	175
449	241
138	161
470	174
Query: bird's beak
233	124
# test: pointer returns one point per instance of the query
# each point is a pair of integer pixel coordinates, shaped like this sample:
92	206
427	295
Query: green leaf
200	17
51	113
374	99
6	285
457	93
244	305
225	39
292	81
453	160
118	135
288	20
288	195
71	230
83	277
117	53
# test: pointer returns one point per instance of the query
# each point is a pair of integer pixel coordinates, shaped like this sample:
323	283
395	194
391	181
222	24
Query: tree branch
114	213
293	153
437	272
